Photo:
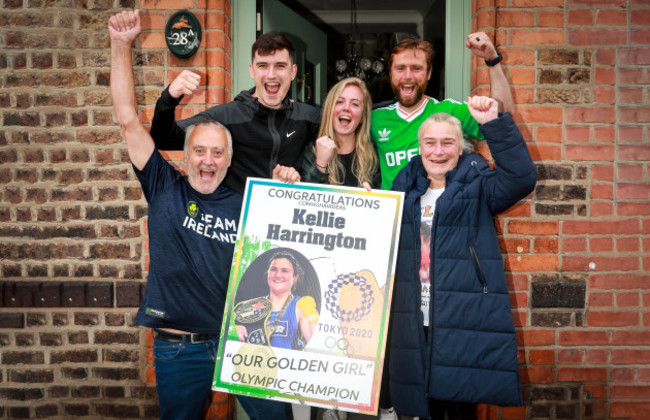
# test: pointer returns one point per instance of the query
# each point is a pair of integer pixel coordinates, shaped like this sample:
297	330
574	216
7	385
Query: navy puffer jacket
471	351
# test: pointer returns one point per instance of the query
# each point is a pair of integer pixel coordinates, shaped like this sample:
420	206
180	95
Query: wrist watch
494	61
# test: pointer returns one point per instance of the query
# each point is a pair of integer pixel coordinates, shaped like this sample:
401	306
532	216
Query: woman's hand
307	316
325	148
483	108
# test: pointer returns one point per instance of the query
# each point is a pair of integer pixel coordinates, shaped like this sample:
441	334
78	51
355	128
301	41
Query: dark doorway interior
367	29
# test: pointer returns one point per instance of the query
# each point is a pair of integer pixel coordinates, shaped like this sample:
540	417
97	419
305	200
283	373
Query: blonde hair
365	161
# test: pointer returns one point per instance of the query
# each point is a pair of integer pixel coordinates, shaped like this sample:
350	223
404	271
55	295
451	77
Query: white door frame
243	36
458	24
457	57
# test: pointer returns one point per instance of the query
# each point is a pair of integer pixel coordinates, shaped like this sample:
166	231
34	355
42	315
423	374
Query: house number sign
183	34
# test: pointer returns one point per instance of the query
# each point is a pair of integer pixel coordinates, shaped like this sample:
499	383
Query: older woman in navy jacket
453	340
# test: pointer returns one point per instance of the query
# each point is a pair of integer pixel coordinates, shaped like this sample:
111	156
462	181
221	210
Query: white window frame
457	58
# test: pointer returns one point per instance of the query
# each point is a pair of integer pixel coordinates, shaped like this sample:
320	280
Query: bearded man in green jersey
394	127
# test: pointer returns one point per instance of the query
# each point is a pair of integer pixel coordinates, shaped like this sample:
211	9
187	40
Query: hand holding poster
308	301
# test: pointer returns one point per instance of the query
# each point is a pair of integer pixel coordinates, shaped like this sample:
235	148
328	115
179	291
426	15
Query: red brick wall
72	229
577	250
72	234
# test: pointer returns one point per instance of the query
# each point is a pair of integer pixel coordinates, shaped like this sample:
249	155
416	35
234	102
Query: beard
411	100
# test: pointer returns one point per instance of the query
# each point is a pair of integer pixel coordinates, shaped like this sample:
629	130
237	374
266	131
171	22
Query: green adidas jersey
395	133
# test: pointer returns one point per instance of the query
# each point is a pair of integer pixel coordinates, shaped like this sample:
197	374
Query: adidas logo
383	134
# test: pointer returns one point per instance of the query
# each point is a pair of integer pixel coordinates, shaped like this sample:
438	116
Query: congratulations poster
308	302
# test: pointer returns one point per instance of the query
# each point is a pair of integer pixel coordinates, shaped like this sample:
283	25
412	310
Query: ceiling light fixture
353	65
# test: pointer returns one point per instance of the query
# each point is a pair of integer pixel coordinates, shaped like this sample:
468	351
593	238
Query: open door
310	84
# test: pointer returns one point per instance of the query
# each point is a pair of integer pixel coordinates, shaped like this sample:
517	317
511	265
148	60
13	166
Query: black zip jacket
262	137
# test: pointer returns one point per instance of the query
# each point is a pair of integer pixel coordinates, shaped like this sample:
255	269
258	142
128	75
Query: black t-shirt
191	243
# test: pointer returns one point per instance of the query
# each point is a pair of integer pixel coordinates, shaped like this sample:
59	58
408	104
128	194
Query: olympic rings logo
341	345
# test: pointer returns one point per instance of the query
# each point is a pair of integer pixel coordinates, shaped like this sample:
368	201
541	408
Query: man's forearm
166	133
139	144
122	85
500	89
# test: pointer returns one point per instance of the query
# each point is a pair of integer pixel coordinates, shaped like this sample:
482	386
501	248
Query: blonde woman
343	153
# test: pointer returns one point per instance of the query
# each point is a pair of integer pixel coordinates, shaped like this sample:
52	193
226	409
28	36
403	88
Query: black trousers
453	410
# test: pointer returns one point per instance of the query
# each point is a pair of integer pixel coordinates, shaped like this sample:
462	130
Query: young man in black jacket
267	127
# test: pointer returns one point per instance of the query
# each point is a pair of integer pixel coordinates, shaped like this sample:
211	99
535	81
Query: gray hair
207	122
441	117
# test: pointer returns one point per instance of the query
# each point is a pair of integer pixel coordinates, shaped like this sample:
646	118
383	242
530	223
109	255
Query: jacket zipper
472	251
275	150
477	268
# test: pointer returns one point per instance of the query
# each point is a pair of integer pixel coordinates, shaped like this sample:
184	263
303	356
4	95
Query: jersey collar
415	113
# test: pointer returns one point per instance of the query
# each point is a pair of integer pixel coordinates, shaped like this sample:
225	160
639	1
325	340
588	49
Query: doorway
310	43
361	34
363	29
